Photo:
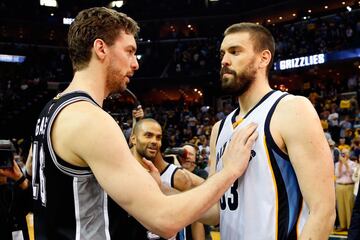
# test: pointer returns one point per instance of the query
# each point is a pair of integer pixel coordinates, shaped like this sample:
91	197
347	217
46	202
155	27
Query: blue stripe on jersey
282	196
292	188
289	195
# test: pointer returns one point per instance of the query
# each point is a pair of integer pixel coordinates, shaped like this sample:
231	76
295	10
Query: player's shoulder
295	115
291	101
216	127
217	124
294	106
84	119
181	173
182	180
87	113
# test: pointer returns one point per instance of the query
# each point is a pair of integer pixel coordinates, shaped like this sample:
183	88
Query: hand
154	172
237	153
138	113
13	173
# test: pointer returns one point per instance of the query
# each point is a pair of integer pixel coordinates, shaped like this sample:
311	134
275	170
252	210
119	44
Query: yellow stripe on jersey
276	190
235	124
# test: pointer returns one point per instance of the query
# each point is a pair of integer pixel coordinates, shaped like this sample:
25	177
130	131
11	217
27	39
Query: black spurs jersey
69	203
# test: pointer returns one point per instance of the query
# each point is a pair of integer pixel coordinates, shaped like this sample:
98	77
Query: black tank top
69	203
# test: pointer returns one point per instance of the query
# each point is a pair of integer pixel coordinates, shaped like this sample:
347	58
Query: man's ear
265	59
100	48
133	140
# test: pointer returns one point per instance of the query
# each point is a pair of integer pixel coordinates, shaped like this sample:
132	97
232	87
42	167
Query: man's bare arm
186	180
212	216
197	231
311	158
87	135
212	156
182	180
195	180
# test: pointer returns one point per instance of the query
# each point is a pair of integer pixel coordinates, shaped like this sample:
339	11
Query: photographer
189	162
15	196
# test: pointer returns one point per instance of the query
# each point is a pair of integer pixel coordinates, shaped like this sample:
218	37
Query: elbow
215	221
332	217
168	232
325	214
329	220
331	211
165	228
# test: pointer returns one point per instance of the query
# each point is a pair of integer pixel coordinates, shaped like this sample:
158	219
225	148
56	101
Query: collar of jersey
236	123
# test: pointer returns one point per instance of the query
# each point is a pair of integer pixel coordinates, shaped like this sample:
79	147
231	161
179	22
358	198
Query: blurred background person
190	163
335	152
344	170
354	230
15	196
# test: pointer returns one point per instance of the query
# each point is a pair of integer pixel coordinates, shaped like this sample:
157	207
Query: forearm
319	224
212	216
197	231
25	185
185	208
195	180
21	181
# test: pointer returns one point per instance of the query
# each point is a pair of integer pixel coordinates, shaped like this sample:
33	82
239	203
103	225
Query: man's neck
160	163
91	81
252	96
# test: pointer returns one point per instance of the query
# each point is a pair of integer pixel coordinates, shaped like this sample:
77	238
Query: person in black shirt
15	203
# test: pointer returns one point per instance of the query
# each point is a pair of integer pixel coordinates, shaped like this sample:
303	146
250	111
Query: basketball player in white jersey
80	154
287	191
146	142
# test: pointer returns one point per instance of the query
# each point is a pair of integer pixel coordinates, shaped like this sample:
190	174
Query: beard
237	84
144	153
115	82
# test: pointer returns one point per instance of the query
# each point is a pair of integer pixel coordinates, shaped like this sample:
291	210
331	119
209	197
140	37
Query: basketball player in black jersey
80	154
146	142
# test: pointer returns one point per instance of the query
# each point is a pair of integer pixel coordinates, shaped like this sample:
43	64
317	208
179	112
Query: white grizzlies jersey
265	203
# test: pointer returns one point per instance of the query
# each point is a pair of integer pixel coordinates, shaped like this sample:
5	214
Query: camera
172	155
7	150
178	151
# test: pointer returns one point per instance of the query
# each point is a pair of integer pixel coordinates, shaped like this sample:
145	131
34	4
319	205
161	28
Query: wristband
20	181
28	176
